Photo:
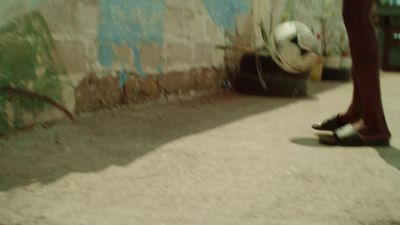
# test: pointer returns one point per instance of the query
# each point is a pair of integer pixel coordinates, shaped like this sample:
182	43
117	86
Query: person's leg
352	115
354	112
365	54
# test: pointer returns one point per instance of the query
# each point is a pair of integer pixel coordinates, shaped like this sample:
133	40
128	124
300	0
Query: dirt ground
228	159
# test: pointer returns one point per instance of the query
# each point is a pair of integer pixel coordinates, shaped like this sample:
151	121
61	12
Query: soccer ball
294	47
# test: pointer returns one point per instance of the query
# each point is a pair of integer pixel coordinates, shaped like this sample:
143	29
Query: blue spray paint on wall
224	12
132	22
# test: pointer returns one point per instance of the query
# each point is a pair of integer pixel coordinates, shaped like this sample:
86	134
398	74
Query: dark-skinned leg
365	55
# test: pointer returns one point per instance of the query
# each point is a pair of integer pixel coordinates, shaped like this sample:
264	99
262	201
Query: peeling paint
124	57
225	12
27	61
132	23
110	45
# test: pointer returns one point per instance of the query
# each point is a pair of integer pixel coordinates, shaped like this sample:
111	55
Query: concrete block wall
93	54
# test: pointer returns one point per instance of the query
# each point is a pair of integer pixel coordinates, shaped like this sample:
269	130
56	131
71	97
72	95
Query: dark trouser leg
365	55
354	112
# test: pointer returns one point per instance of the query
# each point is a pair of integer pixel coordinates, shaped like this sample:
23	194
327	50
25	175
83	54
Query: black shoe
349	136
328	125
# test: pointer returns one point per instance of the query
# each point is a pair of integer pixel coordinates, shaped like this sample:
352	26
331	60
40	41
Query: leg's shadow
309	142
390	154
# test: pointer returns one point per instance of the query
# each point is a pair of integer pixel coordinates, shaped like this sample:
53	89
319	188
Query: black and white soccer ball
294	47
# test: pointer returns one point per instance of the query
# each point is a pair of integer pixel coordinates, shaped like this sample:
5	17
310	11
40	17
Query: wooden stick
33	95
240	48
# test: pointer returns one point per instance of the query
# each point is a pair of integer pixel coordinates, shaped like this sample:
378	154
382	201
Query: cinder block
88	17
185	22
215	35
72	55
149	87
139	89
208	78
74	17
151	57
178	22
94	93
60	15
180	4
177	82
178	53
203	54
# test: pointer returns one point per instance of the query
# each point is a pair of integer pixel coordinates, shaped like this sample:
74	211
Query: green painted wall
27	61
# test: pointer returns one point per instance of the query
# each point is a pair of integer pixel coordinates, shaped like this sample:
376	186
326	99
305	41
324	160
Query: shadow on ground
390	154
309	142
103	139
